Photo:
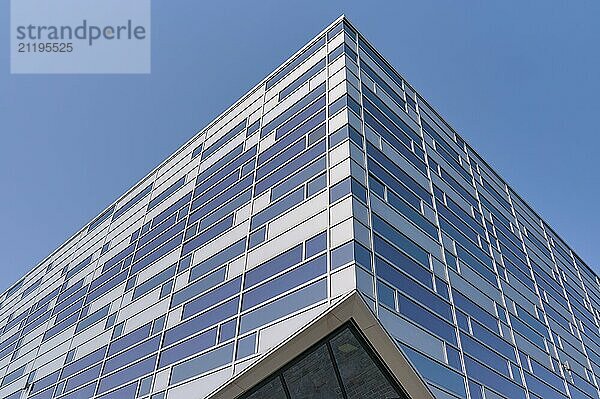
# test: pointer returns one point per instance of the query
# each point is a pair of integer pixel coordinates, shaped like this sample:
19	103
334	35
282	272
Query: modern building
328	236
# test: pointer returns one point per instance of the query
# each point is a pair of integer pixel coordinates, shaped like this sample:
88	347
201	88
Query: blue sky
518	80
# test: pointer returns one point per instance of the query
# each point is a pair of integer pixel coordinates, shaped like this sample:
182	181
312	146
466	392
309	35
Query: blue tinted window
184	263
248	167
309	98
44	382
93	318
80	266
277	208
397	173
273	266
359	191
224	139
95	223
183	201
316	244
340	190
426	319
315	185
202	321
285	305
442	288
82	363
218	259
103	278
203	208
316	135
40	312
246	346
253	128
129	339
437	373
83	392
416	291
334	31
386	295
400	261
468	259
162	238
295	63
154	281
342	255
198	287
489	337
302	79
158	324
474	310
166	193
69	310
129	204
13	375
377	187
275	162
103	289
202	363
197	151
393	184
289	168
400	240
381	83
479	351
341	49
124	253
344	101
342	134
453	356
160	252
229	207
460	189
110	321
300	275
227	330
493	379
83	378
300	177
362	255
188	347
256	237
213	188
385	114
145	386
166	289
202	176
212	297
284	140
207	235
405	209
132	372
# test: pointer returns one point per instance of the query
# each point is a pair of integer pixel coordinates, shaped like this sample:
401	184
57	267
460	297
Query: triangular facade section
343	354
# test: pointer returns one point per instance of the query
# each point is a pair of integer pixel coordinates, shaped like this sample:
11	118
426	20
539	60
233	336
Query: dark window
340	366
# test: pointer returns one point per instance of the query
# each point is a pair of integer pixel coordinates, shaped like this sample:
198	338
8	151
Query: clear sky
517	79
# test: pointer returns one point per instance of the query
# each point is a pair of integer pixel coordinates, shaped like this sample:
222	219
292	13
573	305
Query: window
342	366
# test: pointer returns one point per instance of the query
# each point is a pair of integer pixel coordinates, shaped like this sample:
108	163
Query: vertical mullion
337	371
284	385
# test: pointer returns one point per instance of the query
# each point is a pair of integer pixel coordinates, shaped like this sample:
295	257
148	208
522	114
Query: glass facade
342	366
331	175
